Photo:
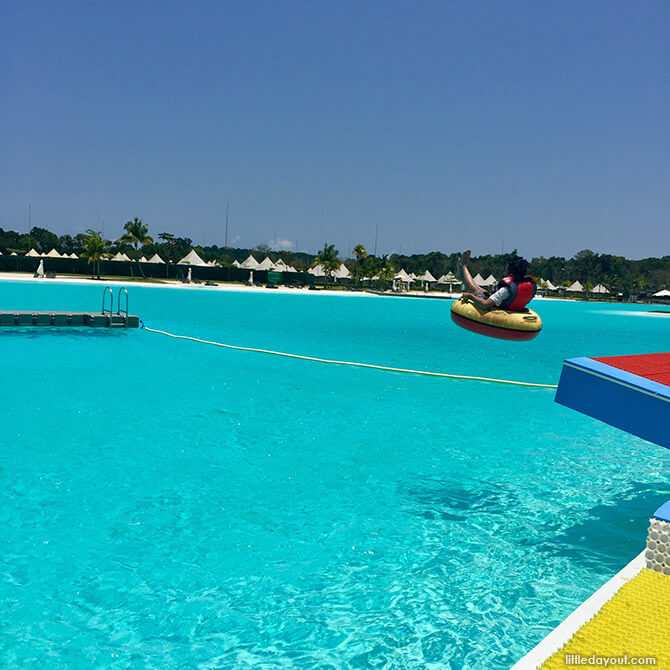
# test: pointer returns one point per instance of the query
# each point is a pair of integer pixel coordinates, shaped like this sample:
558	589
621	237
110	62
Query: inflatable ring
501	323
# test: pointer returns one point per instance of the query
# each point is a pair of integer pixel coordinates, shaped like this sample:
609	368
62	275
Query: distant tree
10	241
386	269
136	234
79	240
328	258
95	247
361	254
66	244
44	240
262	249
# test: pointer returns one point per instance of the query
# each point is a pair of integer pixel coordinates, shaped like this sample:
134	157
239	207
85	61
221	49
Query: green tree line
617	273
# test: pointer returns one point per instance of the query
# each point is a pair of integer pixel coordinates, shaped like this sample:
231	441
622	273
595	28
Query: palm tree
136	234
328	258
361	254
170	241
386	270
95	247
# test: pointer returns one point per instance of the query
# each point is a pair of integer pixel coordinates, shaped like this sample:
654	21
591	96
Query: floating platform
625	621
25	319
627	392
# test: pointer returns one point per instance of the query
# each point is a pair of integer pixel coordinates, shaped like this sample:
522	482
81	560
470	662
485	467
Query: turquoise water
166	504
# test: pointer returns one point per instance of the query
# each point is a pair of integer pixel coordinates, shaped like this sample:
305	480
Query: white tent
265	264
662	294
156	259
404	279
490	281
426	276
317	271
192	258
575	287
32	253
142	259
250	263
550	287
53	254
280	266
599	288
412	275
73	256
236	263
449	278
342	272
478	279
290	268
403	276
120	257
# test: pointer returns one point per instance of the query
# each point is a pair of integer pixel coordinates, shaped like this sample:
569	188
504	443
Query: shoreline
232	286
172	284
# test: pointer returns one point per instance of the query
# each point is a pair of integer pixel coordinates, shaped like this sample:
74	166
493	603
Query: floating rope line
351	363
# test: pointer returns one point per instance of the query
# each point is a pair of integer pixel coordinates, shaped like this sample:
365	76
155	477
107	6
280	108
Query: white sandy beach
221	286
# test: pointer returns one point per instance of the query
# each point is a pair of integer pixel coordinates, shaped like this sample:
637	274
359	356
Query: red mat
651	366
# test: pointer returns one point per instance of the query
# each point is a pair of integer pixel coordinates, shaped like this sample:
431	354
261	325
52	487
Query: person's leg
465	276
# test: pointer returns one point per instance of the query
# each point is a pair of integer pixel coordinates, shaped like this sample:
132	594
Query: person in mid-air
514	291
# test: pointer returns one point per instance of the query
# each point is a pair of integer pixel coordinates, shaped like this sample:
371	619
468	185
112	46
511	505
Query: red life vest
520	293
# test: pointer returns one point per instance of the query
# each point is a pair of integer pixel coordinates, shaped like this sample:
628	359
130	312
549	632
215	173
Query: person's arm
486	303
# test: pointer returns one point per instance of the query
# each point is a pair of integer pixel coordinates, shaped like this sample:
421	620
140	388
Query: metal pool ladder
120	319
108	289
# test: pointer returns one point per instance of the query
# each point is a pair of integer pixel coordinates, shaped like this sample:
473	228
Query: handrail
111	301
118	309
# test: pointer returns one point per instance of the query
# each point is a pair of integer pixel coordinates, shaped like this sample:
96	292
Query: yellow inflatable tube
501	323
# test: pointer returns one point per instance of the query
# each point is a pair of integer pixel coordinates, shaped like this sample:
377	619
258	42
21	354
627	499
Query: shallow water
172	504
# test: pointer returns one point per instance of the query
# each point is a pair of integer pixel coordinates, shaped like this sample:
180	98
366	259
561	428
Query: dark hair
517	267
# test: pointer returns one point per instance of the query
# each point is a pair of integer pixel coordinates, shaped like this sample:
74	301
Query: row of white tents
191	258
250	263
576	287
52	254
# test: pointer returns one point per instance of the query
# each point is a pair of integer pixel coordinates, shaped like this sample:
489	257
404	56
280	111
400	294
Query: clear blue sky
543	126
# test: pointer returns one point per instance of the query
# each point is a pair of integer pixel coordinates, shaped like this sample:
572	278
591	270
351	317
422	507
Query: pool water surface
168	504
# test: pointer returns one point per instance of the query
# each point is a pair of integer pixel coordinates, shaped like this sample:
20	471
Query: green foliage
361	255
12	241
328	258
386	270
95	247
136	234
43	240
171	248
615	272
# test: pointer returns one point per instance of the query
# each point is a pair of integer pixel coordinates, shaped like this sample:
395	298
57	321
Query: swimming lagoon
172	504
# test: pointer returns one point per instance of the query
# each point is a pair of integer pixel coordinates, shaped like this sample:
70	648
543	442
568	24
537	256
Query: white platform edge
585	612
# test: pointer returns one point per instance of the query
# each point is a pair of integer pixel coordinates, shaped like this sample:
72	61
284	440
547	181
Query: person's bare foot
462	260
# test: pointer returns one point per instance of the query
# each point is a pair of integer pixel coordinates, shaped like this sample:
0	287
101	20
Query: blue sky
541	126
